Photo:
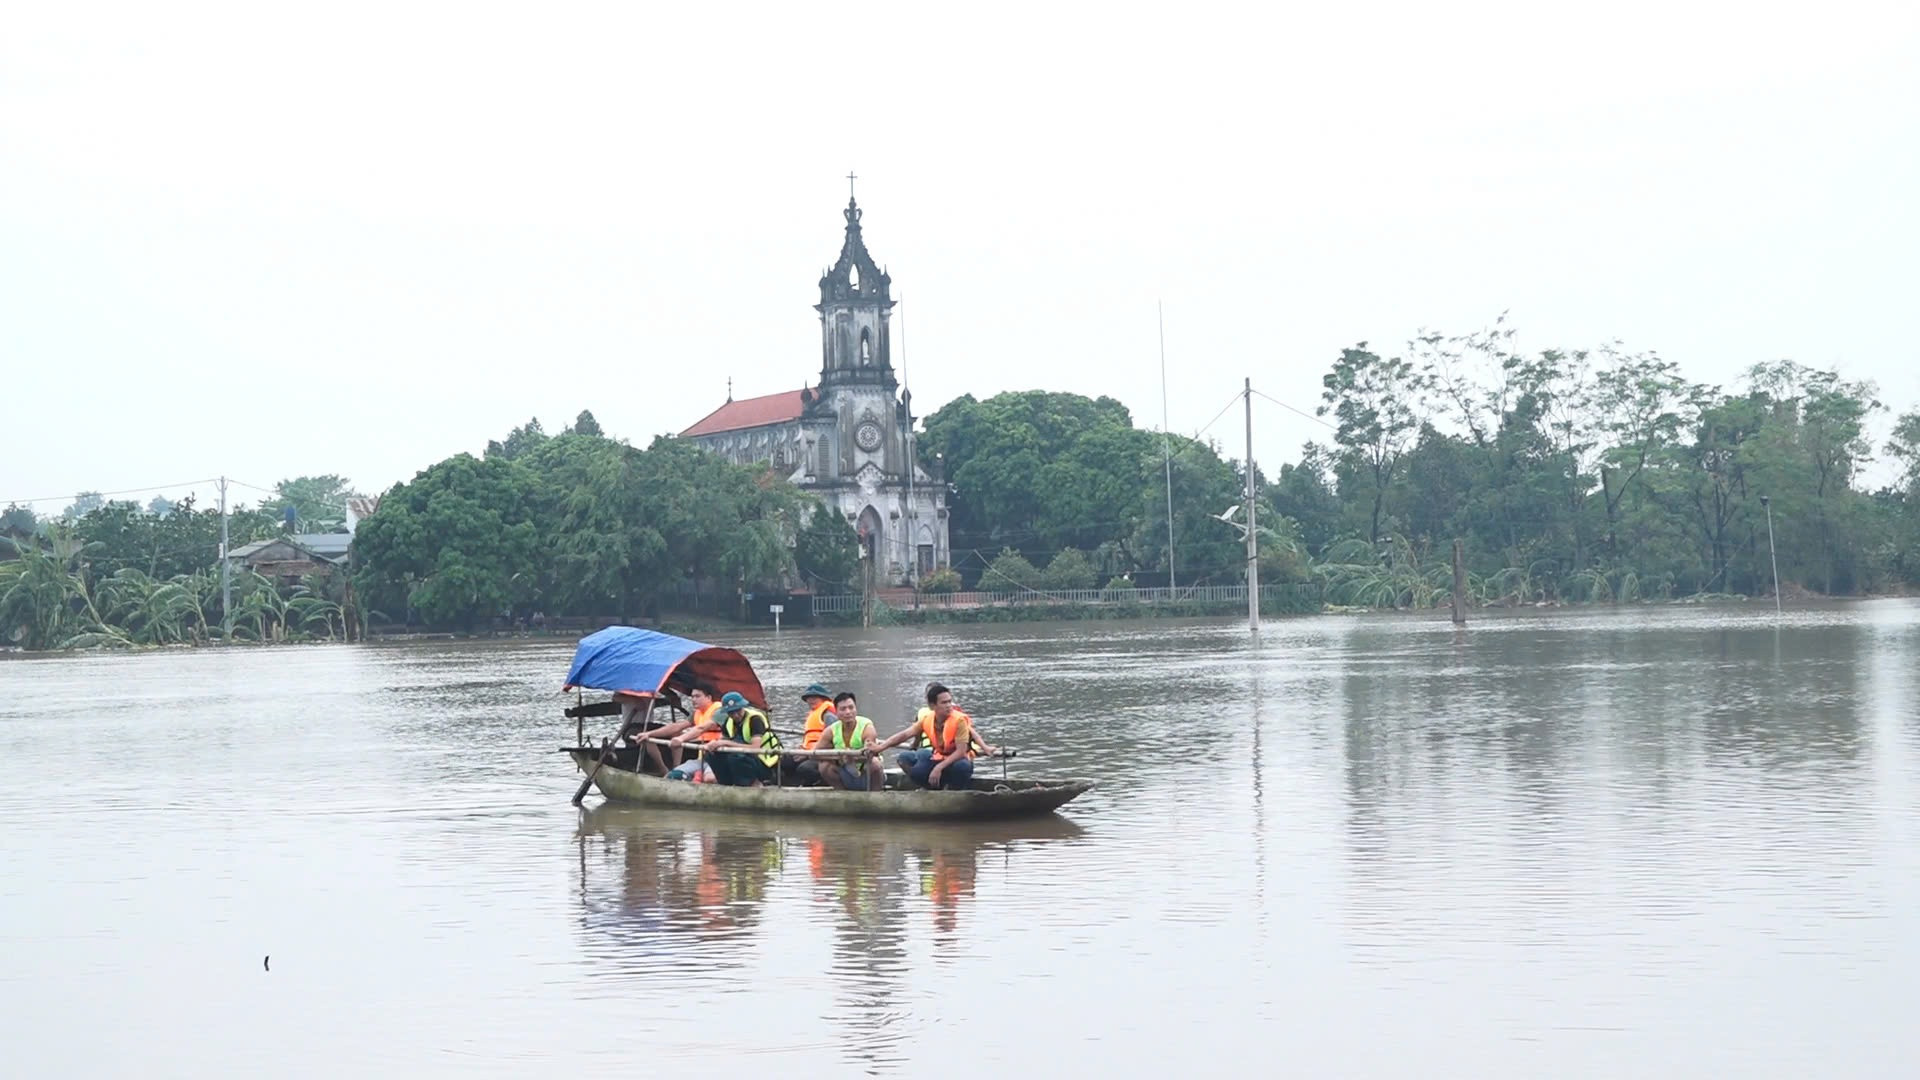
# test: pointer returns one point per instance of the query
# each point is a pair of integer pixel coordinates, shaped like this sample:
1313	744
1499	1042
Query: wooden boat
985	799
650	670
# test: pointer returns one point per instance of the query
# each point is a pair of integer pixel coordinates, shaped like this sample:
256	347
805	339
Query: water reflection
883	898
1565	768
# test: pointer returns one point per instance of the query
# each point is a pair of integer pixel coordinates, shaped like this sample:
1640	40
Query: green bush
1070	569
943	580
1011	572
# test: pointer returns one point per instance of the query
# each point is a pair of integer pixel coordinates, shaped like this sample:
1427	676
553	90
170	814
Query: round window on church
868	437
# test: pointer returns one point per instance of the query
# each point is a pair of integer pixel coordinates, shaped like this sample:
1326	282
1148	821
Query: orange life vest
958	728
702	716
816	724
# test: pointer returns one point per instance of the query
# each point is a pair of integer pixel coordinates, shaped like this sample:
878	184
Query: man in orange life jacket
706	706
819	703
948	761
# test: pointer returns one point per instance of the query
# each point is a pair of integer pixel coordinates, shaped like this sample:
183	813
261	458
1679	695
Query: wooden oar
606	751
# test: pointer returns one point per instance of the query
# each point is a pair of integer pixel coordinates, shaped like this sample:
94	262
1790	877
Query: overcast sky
270	240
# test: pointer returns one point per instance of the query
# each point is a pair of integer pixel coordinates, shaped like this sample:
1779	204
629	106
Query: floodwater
1644	843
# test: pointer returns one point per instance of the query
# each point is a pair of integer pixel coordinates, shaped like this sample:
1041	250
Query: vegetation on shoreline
120	575
1597	475
1568	475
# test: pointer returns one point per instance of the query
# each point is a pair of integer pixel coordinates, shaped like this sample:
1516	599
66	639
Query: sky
264	241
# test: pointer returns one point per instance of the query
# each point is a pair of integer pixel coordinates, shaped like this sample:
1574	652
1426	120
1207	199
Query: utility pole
1766	503
1166	446
1253	525
226	573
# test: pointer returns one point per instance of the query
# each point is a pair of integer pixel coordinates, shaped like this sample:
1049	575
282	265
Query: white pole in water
226	573
1166	445
1253	531
1767	504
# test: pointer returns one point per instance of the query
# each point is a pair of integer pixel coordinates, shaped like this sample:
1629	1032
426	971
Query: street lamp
1767	505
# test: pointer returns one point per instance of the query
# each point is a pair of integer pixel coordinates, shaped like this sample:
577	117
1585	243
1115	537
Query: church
850	439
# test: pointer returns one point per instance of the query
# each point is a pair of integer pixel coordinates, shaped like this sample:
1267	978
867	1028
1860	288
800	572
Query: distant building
287	559
850	440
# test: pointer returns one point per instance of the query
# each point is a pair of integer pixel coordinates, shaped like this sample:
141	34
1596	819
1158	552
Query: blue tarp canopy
629	660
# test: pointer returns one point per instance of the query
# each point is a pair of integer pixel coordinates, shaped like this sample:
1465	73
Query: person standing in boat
858	769
739	725
948	760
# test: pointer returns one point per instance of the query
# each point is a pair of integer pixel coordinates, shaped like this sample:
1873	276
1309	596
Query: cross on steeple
850	179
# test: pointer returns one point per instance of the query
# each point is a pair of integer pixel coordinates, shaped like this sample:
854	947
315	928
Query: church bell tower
856	309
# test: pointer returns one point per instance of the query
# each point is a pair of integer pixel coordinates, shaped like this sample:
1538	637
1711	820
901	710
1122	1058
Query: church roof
751	413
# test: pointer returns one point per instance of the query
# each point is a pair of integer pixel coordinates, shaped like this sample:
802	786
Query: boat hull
987	799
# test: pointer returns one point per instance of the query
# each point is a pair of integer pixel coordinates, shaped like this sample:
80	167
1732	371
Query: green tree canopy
319	503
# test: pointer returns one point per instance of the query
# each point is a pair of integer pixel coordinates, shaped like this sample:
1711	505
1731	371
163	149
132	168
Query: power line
1216	416
110	494
1291	409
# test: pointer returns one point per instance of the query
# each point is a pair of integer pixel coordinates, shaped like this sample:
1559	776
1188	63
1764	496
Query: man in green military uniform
740	725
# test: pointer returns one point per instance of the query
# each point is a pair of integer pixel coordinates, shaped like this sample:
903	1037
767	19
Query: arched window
853	275
866	346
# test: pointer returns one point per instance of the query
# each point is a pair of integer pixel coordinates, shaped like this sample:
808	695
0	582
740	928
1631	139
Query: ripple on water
1562	842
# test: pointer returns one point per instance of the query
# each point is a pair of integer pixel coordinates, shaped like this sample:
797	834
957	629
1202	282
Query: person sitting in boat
636	714
739	725
819	702
948	762
706	706
924	738
859	769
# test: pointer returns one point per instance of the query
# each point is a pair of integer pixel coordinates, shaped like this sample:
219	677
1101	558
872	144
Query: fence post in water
1459	584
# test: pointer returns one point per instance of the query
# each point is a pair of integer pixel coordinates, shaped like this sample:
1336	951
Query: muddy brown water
1666	842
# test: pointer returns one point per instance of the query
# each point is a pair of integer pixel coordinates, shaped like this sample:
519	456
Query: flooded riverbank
1648	842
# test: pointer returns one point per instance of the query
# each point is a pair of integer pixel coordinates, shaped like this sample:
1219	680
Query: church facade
850	439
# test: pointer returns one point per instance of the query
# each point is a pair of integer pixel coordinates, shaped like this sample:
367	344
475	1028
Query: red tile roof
751	413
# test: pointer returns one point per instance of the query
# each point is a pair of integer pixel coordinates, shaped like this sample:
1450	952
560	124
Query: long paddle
606	751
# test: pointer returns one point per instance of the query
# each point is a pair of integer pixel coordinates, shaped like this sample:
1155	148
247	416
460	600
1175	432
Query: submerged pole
1459	583
226	573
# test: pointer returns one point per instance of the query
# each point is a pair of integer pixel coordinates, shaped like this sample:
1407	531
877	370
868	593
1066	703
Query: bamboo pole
1459	584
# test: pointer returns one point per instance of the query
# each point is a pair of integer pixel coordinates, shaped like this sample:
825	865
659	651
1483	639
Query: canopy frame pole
606	751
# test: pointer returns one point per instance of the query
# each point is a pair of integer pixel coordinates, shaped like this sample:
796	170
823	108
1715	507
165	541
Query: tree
160	506
1071	569
827	552
1371	398
18	518
1642	406
585	424
1011	572
319	503
458	543
1904	446
519	442
83	504
1040	467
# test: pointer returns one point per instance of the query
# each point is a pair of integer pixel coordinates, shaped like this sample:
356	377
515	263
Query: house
291	557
